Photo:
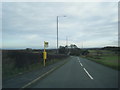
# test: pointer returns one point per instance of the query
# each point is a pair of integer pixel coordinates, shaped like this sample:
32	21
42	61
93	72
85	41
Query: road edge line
43	75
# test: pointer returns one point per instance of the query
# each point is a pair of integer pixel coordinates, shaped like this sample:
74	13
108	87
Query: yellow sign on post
45	53
45	44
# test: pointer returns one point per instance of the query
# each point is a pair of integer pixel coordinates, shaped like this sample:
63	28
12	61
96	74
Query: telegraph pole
66	41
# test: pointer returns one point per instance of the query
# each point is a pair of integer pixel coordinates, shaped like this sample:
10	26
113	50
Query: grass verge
18	71
107	60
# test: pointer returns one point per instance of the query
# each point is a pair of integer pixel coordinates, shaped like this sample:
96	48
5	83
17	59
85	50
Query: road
80	73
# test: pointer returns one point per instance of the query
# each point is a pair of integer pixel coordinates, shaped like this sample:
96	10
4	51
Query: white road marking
38	78
78	59
88	73
81	64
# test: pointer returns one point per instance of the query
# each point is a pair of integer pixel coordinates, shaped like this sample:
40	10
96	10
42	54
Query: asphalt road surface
80	73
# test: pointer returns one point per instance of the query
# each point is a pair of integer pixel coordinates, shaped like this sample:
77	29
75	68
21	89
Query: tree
84	52
62	49
73	46
74	50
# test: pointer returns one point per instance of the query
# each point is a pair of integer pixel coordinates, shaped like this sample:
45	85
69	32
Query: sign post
44	52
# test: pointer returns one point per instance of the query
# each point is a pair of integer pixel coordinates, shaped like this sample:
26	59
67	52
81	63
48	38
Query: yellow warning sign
44	55
45	44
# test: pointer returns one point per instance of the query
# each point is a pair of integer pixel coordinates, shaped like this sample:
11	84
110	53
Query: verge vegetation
105	57
15	62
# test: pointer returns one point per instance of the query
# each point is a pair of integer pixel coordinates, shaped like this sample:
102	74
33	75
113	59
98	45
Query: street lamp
57	30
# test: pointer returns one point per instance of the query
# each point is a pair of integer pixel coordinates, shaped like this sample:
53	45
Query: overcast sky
28	25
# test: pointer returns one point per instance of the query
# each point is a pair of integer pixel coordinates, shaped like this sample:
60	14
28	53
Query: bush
75	52
13	60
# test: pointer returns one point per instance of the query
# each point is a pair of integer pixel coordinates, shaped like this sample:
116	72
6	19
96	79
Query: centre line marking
88	73
81	64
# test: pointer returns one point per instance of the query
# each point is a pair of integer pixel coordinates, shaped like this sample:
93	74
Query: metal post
44	46
43	55
57	34
66	41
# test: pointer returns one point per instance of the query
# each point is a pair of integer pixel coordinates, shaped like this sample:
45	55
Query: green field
107	58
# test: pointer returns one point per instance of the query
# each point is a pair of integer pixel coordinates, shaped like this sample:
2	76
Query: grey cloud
36	22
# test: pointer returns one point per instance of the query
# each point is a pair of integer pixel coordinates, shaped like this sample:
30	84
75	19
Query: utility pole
57	34
82	45
57	31
66	41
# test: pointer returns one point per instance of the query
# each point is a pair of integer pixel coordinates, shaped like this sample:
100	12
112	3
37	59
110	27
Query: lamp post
57	30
